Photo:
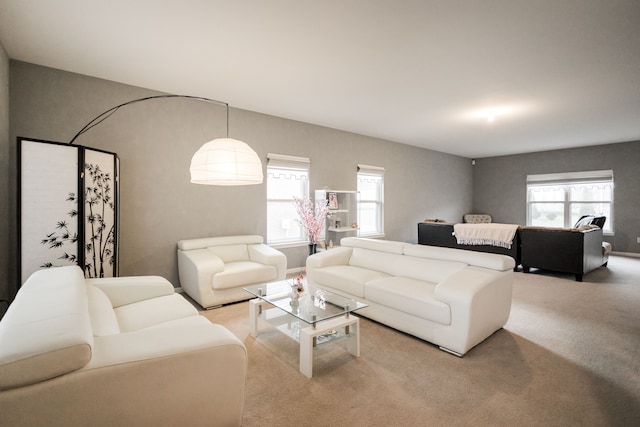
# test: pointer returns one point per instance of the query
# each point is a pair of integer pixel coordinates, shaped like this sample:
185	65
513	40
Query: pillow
599	221
585	220
477	218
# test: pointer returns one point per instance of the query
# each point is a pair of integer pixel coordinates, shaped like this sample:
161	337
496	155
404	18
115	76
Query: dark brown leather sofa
441	234
575	251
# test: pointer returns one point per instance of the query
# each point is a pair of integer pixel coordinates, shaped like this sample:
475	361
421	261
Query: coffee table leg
307	336
254	311
353	344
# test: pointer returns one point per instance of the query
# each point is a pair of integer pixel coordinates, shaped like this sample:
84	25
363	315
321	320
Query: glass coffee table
312	317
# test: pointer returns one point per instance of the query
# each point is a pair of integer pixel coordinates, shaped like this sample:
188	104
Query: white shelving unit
342	220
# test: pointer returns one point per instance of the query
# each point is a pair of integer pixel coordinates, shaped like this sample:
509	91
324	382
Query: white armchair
213	270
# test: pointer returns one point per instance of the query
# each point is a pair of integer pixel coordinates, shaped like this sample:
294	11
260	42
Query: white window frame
279	166
564	181
367	172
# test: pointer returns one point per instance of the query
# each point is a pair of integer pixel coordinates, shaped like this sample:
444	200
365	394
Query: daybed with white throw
450	297
122	351
213	270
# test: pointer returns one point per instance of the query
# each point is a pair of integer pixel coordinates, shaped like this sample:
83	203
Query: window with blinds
560	199
287	177
371	203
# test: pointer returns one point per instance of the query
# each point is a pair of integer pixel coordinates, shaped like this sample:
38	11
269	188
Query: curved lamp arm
105	115
222	161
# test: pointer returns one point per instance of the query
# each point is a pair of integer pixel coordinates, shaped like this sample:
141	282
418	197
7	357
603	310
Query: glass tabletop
311	305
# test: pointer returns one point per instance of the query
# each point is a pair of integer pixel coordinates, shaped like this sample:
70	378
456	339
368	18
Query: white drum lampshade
226	161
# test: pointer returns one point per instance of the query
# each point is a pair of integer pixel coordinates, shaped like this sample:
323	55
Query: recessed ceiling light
491	114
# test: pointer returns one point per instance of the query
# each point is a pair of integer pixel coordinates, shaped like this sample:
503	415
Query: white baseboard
629	254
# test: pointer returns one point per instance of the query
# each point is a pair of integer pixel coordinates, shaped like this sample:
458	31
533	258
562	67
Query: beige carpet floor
568	356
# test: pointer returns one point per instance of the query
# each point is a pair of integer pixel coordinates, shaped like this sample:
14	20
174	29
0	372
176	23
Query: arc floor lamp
221	161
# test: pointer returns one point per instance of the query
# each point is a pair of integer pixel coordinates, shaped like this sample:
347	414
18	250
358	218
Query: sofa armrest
267	255
128	290
480	303
196	269
187	373
336	256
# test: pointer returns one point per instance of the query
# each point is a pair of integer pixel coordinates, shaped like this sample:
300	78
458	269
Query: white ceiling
557	73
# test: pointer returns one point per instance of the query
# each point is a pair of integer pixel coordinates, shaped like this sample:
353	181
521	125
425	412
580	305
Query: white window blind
371	202
287	177
560	199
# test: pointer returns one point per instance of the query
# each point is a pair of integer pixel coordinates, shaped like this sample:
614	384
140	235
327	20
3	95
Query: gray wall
500	184
156	139
5	202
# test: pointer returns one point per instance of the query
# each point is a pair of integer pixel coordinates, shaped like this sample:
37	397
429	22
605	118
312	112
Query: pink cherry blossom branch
311	218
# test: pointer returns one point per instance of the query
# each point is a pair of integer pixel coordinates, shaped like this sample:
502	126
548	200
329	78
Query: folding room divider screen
68	208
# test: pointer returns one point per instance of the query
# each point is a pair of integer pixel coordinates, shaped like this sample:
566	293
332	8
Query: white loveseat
450	297
123	351
213	270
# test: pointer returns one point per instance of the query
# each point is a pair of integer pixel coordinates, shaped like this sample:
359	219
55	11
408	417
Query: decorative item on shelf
328	336
354	225
311	219
330	244
338	223
333	201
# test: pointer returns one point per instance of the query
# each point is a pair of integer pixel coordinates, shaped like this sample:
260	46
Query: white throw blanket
485	234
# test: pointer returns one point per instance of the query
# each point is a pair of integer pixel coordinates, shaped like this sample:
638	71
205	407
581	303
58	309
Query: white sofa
450	297
213	270
123	351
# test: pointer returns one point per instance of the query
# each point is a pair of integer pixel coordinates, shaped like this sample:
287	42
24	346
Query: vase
313	247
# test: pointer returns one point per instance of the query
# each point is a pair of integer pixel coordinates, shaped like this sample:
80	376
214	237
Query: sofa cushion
346	278
144	314
190	333
129	289
103	318
425	269
374	260
230	253
415	297
243	273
